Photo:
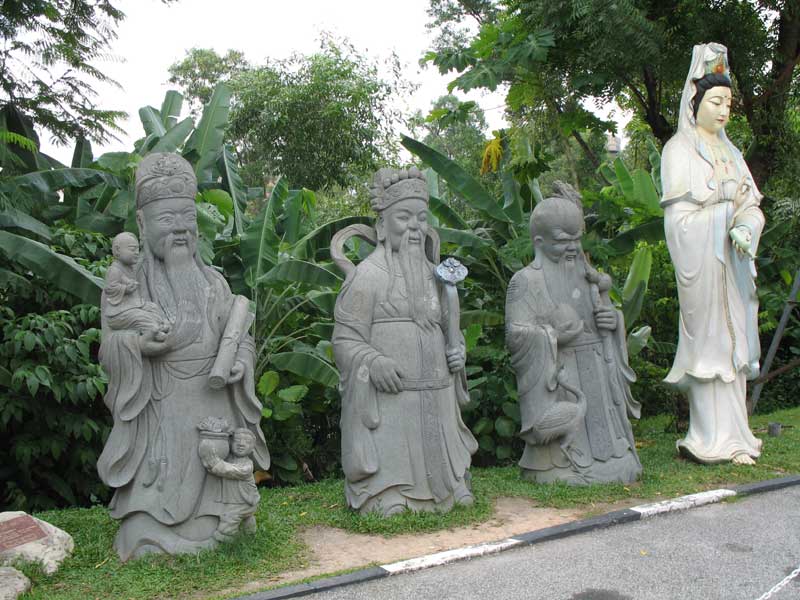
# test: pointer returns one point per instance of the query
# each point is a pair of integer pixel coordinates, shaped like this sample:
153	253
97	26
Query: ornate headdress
164	175
715	60
392	185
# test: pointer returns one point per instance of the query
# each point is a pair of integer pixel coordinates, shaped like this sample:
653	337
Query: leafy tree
201	70
46	56
456	129
319	120
636	51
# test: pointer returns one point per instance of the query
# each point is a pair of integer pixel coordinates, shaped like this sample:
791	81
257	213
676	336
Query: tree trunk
766	112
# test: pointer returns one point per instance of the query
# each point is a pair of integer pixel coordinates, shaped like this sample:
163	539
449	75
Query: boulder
12	583
26	538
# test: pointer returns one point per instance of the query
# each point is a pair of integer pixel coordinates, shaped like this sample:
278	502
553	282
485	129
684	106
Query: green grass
95	572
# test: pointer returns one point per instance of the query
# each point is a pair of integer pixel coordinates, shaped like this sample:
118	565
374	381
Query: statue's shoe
465	498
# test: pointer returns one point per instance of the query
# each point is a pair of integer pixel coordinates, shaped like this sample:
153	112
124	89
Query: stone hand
456	358
152	342
385	374
742	239
606	318
131	286
237	372
566	332
208	456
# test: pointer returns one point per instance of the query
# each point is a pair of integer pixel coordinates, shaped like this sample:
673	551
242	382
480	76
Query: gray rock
401	358
568	349
28	539
178	355
12	583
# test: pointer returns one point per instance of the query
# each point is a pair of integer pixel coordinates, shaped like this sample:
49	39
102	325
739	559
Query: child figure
239	489
124	307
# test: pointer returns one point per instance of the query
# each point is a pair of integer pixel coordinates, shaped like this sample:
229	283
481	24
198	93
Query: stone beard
179	286
415	269
572	376
159	392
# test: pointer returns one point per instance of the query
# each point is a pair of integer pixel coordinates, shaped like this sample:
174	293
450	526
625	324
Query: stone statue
176	350
238	481
568	349
124	306
712	223
401	356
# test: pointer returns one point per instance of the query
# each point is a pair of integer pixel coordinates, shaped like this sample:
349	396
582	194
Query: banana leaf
48	182
636	285
655	164
82	155
207	138
174	137
259	243
306	365
320	238
236	187
458	179
11	279
171	108
151	121
300	271
11	217
512	200
324	300
466	239
442	211
652	231
62	271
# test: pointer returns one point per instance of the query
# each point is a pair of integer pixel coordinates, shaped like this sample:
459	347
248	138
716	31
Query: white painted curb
449	556
683	502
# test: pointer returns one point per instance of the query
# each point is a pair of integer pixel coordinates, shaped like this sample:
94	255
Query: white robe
718	346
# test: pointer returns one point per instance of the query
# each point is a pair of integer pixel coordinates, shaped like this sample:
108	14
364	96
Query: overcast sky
154	35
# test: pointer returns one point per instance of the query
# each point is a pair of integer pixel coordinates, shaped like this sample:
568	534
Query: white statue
712	223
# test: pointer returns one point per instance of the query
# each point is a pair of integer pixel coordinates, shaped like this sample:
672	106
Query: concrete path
730	550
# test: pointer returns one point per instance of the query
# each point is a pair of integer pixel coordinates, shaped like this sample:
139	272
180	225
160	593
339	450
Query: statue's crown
164	175
715	61
392	185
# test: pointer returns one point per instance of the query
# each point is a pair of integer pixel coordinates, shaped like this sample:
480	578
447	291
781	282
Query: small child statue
124	307
239	489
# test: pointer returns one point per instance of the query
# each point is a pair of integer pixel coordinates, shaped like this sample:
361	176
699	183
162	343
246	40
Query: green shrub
52	418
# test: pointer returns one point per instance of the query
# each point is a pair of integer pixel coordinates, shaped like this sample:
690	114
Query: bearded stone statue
177	353
568	349
401	358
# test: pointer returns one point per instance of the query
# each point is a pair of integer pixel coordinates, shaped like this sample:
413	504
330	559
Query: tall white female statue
712	223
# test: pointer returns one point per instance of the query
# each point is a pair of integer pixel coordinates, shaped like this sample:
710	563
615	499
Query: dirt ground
332	550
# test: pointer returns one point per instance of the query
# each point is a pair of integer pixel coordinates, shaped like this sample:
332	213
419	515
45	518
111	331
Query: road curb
628	515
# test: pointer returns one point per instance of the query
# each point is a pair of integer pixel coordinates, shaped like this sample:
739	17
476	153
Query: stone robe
165	498
562	441
410	448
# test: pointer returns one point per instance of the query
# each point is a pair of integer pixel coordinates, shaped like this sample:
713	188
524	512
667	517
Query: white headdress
706	59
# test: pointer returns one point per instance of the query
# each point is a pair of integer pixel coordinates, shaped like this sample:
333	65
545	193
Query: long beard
563	278
187	290
415	267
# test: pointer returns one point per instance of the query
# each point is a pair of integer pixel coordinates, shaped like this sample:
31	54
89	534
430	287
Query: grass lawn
94	570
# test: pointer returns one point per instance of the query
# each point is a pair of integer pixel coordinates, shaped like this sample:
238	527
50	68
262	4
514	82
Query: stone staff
450	272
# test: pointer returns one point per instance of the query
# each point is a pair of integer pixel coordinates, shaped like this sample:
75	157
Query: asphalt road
731	550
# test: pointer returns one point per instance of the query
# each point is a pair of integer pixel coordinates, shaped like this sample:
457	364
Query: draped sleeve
354	356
